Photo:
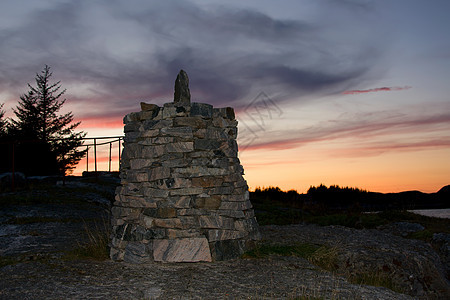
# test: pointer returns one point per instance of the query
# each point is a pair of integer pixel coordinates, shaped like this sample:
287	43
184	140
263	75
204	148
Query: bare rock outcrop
412	265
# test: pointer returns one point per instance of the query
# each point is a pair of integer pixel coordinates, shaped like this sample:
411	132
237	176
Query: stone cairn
182	196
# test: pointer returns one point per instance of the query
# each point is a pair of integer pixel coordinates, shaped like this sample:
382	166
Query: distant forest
336	198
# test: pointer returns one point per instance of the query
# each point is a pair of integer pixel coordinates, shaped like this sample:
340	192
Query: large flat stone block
181	250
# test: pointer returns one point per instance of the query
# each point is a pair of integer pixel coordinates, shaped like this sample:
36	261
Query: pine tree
38	119
5	161
3	123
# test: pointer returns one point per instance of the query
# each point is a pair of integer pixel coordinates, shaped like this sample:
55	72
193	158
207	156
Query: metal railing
95	144
116	139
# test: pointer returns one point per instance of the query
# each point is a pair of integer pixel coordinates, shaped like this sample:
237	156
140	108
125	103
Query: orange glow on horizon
390	172
110	123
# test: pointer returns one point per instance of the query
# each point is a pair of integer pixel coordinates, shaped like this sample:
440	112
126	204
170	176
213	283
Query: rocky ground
35	238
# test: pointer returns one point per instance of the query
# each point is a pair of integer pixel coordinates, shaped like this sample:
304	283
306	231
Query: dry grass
39	219
322	256
304	250
379	279
95	244
325	257
6	261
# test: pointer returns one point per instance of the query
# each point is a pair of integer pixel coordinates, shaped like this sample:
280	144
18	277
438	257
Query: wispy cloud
381	89
372	133
131	53
379	147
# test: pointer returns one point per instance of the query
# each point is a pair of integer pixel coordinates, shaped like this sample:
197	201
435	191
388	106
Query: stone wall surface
182	196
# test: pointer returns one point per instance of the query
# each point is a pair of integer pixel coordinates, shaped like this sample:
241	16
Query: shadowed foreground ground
35	240
273	277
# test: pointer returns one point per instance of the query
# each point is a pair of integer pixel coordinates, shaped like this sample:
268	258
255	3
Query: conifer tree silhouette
49	133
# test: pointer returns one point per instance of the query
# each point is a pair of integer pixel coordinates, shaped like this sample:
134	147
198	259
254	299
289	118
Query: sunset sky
347	92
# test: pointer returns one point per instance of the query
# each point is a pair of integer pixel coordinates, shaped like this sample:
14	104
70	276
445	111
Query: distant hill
346	198
445	190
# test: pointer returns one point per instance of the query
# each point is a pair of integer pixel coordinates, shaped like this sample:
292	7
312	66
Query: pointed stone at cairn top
182	94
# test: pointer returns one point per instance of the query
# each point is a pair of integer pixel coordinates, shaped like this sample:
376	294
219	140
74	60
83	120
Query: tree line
335	198
40	140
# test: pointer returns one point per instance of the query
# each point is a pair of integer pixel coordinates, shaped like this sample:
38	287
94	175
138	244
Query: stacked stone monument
182	196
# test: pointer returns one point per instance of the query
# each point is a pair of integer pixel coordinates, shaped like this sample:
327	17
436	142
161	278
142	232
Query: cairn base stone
181	250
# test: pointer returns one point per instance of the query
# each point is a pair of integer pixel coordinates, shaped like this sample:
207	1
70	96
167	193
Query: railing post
87	159
120	144
110	145
95	155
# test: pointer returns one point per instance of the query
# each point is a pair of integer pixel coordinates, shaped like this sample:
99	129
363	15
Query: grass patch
56	194
278	217
319	255
41	195
31	220
6	261
364	220
432	225
34	233
325	257
95	245
348	220
264	250
423	235
273	213
268	213
378	279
